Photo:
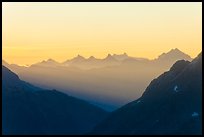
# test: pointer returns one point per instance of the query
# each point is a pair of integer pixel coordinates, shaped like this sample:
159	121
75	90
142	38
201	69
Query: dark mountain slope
30	110
171	104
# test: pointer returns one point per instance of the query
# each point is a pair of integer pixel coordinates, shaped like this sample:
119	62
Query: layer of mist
109	83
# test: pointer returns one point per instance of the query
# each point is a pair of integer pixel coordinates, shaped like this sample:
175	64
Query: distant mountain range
29	110
170	105
111	60
121	57
102	81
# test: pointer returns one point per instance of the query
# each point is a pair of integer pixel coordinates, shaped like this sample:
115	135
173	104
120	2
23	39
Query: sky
32	32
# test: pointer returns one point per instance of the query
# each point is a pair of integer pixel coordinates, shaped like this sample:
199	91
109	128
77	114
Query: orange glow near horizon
33	32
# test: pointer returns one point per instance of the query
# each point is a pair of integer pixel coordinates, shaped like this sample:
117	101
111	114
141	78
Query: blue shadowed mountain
29	110
170	105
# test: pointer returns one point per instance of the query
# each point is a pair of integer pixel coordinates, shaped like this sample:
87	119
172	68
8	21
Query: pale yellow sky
37	31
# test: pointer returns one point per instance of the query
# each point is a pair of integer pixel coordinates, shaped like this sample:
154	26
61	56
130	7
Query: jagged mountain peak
79	56
109	57
91	57
175	50
77	59
121	57
51	60
174	54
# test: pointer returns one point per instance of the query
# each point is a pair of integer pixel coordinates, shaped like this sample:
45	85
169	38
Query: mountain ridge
95	77
121	57
29	110
154	113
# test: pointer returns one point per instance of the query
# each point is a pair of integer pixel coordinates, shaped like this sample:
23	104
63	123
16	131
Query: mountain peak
51	60
79	56
109	55
91	57
175	50
46	62
174	54
121	57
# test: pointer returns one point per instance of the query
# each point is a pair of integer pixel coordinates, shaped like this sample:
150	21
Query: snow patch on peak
176	88
138	101
195	114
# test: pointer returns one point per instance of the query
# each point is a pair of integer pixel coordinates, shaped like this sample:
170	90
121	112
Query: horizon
38	31
112	54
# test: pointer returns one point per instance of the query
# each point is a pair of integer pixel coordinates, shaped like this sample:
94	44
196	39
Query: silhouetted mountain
77	59
173	55
47	63
51	61
171	104
124	58
83	63
91	58
27	109
121	57
109	58
92	61
110	61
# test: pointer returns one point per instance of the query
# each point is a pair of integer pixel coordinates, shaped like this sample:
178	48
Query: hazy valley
109	83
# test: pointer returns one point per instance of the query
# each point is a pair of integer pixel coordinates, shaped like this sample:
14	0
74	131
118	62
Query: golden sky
33	32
